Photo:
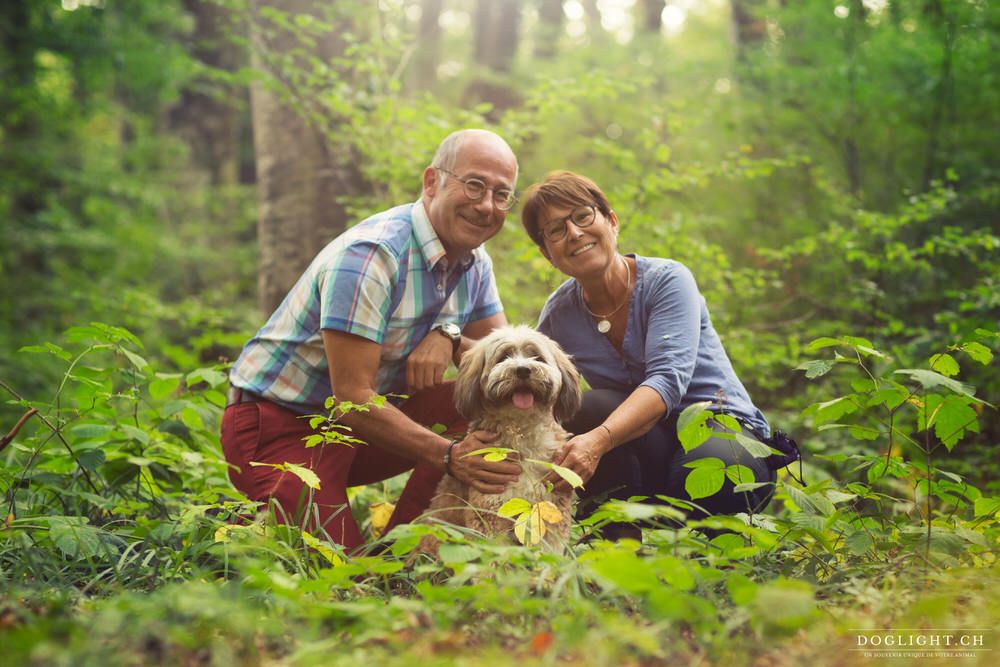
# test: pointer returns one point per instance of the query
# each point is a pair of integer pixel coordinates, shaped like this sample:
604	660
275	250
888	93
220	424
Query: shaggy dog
519	384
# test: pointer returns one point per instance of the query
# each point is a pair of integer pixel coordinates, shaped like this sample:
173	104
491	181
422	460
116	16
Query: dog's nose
523	372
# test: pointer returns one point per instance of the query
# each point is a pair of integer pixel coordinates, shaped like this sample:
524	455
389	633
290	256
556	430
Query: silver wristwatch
450	331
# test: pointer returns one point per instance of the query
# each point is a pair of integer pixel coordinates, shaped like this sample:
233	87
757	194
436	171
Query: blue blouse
670	344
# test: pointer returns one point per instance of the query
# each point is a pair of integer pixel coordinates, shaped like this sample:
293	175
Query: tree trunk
496	40
300	175
210	121
749	28
652	15
550	14
497	23
428	54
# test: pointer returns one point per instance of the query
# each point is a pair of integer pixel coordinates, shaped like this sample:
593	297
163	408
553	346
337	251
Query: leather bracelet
447	455
610	437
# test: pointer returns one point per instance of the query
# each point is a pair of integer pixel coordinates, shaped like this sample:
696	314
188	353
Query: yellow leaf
222	532
549	512
312	541
380	513
308	477
523	532
9	521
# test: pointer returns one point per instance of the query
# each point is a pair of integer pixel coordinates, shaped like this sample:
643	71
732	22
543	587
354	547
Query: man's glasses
581	216
475	189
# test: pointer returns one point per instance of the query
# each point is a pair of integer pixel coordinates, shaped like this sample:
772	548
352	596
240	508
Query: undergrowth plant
116	487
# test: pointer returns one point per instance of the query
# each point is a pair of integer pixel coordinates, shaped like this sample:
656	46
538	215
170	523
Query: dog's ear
468	393
570	396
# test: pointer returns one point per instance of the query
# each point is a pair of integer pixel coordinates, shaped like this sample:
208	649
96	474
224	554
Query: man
381	310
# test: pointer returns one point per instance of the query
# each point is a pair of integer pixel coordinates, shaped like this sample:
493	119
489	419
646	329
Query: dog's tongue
523	400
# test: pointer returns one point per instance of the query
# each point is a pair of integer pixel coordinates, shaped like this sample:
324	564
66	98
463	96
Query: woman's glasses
581	216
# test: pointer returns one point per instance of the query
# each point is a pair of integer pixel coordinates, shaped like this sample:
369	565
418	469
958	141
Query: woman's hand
482	475
581	454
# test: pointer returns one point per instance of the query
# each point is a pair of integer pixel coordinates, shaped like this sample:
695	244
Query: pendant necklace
603	323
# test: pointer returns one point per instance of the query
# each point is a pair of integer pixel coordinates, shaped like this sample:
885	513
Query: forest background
827	168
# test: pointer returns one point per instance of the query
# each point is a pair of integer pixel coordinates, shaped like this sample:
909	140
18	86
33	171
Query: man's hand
427	363
482	475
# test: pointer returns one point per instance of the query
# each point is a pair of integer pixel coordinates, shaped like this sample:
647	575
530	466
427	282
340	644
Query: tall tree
651	19
207	116
550	15
497	25
301	179
428	46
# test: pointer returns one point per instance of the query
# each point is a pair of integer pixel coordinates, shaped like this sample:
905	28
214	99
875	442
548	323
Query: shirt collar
430	244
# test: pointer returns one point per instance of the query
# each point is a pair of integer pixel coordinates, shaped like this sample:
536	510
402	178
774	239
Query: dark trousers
264	432
653	464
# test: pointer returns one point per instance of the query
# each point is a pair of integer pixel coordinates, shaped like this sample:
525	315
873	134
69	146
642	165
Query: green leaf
74	537
691	413
739	474
749	486
692	426
832	410
514	507
741	589
930	380
136	360
816	368
951	418
820	343
859	542
978	352
754	447
213	377
458	553
945	364
972	536
134	433
703	482
308	477
88	431
803	501
729	421
571	477
839	496
710	462
163	385
863	432
92	459
985	506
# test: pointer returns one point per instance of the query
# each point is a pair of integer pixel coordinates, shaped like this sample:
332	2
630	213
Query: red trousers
265	432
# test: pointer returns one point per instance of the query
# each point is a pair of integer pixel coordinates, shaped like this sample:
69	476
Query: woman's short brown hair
560	189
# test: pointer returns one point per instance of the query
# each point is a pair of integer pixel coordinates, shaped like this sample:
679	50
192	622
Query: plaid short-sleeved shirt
386	279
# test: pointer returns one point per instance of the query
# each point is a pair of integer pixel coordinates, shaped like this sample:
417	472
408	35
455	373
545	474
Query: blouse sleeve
673	331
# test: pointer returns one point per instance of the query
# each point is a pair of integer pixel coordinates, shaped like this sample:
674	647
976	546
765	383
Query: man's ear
431	183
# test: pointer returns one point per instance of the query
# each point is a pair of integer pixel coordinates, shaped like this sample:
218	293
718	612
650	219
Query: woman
639	332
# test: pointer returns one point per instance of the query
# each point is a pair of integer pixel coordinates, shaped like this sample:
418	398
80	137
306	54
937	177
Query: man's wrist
447	455
450	331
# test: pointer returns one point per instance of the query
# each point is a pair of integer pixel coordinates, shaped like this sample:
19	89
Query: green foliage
121	532
833	174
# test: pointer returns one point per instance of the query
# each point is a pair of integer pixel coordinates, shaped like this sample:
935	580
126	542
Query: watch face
450	330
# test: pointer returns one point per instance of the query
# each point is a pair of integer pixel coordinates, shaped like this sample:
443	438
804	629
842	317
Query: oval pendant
604	326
